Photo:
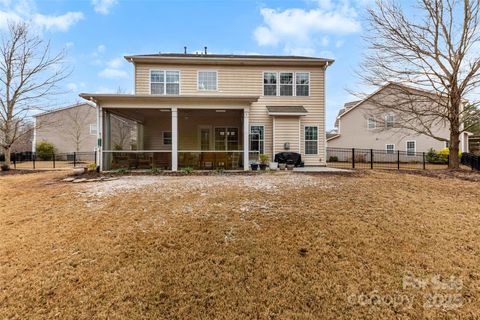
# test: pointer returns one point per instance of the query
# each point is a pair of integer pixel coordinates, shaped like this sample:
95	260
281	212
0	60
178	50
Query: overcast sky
98	33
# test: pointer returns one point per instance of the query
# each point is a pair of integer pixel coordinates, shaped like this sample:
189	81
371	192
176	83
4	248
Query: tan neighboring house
360	124
210	111
69	129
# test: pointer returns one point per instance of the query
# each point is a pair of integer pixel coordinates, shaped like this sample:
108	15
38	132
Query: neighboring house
69	129
364	125
216	111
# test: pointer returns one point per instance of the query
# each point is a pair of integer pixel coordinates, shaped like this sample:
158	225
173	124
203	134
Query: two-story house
211	111
369	124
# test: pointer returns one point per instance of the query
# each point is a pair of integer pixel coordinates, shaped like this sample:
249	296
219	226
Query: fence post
398	159
371	158
33	160
14	160
74	159
353	158
95	157
424	165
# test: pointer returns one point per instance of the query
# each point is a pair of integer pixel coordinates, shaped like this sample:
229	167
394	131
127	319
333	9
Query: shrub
333	159
154	170
44	150
122	171
91	167
263	158
187	170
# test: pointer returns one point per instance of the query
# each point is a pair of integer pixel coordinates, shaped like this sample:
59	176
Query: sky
98	33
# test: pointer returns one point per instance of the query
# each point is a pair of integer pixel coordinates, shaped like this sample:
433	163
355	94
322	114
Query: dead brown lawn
269	247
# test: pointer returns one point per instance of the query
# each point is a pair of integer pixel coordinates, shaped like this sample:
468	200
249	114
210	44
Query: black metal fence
32	160
471	160
353	158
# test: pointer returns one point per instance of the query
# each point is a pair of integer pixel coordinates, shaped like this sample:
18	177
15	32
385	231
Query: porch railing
162	159
137	159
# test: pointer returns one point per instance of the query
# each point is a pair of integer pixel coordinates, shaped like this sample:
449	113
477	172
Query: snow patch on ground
269	183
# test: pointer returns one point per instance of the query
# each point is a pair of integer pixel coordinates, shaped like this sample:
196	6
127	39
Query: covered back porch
200	138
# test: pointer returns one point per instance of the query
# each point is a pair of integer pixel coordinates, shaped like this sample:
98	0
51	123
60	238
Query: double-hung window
371	123
311	140
270	83
207	80
389	121
93	129
302	81
164	82
167	138
257	138
390	148
286	83
411	148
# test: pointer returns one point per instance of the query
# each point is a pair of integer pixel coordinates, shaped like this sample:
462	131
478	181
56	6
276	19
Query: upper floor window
164	82
371	124
389	121
286	83
302	80
270	83
207	80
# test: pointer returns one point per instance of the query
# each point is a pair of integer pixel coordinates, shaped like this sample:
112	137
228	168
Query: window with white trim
269	83
411	148
371	124
302	82
167	138
257	138
390	148
389	121
93	129
311	139
286	83
207	80
164	82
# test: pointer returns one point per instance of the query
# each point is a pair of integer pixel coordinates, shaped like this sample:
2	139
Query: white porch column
246	135
174	139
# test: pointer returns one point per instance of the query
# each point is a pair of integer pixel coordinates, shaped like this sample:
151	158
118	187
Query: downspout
325	113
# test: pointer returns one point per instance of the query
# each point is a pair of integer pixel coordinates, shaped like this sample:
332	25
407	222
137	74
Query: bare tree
76	124
435	57
121	132
29	74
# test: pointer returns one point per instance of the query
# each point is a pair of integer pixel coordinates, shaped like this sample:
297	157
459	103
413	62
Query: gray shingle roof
286	109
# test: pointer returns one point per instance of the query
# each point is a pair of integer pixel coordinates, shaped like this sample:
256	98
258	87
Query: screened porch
207	139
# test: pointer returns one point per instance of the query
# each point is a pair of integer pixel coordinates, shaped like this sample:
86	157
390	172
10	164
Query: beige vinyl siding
248	80
59	128
287	129
153	129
